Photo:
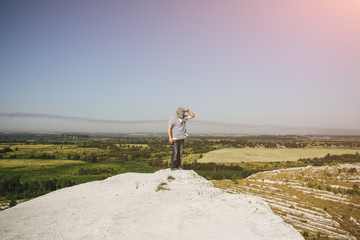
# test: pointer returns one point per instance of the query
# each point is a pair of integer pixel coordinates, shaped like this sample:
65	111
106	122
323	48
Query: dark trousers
178	147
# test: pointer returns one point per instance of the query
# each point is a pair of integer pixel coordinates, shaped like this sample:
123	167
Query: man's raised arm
192	115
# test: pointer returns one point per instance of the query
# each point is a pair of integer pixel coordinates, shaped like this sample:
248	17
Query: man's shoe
173	169
180	168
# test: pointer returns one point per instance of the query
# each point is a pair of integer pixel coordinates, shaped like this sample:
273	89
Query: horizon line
111	121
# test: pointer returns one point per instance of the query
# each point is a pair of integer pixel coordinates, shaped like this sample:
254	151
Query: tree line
210	171
12	188
332	159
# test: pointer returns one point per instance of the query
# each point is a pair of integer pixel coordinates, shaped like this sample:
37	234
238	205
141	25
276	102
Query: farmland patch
237	155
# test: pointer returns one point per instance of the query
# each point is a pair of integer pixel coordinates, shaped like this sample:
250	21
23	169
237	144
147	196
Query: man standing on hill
177	134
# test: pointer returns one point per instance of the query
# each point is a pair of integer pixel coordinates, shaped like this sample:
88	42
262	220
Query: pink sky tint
315	34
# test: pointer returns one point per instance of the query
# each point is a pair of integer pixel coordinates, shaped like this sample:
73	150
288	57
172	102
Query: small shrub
162	187
92	157
352	170
13	202
305	234
170	178
234	179
6	149
97	171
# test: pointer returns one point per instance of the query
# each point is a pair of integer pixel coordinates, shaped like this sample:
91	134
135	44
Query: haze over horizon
282	63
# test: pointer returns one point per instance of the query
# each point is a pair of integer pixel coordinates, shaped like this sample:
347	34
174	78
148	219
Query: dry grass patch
237	155
11	163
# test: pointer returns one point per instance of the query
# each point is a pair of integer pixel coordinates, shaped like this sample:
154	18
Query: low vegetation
170	178
12	188
162	187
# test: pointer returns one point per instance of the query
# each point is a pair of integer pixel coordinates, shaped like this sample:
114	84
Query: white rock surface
127	206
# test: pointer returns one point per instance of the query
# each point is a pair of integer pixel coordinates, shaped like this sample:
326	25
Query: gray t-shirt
178	130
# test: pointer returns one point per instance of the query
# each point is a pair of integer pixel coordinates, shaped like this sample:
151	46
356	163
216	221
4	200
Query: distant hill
207	127
58	124
218	127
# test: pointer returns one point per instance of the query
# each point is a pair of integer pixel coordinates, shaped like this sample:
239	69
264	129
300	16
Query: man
177	134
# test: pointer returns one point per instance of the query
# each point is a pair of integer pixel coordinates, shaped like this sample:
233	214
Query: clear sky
276	62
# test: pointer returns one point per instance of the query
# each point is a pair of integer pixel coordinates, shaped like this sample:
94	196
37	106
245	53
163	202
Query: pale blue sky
276	62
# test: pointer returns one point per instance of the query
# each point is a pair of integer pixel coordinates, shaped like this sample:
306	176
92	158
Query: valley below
321	202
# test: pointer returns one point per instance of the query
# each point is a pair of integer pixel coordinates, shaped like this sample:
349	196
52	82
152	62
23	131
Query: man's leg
174	155
179	152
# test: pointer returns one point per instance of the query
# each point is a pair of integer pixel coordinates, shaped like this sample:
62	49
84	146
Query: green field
38	169
234	155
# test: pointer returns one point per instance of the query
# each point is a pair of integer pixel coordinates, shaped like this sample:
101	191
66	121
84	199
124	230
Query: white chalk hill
162	205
